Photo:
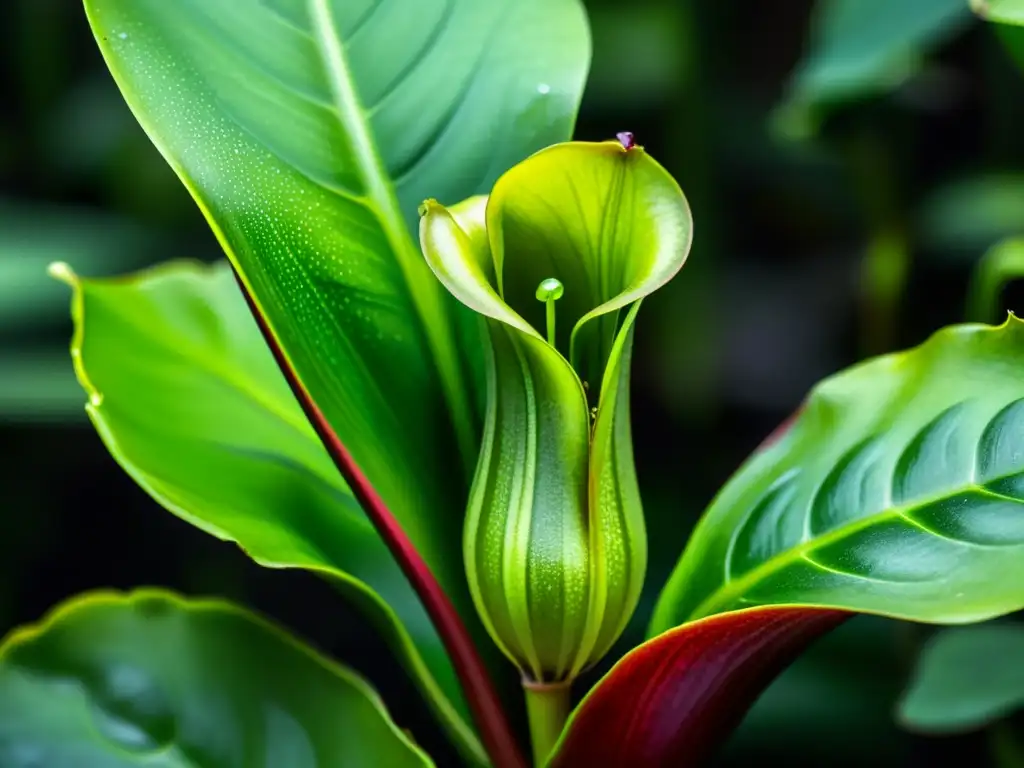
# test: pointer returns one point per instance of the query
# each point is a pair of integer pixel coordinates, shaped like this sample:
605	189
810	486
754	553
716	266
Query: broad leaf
859	48
150	679
188	399
671	700
898	490
308	132
1001	11
966	678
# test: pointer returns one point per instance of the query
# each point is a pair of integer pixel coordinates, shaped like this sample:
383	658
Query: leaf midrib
425	292
731	591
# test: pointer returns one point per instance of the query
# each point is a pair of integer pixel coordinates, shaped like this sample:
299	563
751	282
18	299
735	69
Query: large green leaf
859	48
308	132
899	490
966	678
188	399
150	679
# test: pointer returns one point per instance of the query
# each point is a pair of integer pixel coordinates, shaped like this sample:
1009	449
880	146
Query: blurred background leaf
861	48
34	378
965	678
965	217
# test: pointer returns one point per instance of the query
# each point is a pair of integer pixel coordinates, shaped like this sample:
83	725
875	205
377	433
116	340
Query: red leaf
672	700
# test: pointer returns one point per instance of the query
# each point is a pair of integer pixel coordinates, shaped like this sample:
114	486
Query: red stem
484	703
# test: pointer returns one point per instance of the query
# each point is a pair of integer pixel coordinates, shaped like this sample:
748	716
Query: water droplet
550	290
95	399
543	88
123	35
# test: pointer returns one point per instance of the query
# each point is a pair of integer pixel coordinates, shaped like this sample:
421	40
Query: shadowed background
837	216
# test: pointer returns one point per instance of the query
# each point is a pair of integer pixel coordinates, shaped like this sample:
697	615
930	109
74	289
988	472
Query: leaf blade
191	404
895	492
672	699
236	97
152	668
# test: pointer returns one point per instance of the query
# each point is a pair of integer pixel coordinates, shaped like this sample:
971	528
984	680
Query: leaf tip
60	270
427	206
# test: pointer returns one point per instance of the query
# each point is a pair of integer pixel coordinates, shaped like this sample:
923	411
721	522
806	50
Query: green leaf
1001	265
112	681
899	490
860	48
308	132
189	400
1001	11
966	678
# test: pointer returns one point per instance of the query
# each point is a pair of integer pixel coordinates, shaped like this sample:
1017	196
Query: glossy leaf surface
898	490
308	132
150	679
966	678
189	400
671	700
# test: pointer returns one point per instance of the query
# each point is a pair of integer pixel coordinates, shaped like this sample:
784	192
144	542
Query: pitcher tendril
550	291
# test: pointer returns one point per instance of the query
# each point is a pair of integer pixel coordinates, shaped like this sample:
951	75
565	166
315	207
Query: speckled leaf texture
308	132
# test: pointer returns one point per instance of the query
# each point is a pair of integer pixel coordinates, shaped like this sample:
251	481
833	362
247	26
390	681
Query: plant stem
495	731
551	321
547	708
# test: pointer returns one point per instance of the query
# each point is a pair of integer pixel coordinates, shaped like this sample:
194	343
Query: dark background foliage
825	233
